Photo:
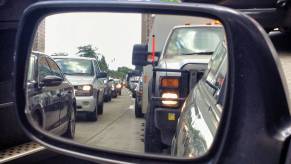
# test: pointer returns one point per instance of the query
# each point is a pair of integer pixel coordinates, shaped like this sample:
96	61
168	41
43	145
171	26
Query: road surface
117	128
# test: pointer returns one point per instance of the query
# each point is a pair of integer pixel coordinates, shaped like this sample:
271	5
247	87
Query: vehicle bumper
166	121
86	103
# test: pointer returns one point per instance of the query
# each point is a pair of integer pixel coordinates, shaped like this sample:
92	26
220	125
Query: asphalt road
117	128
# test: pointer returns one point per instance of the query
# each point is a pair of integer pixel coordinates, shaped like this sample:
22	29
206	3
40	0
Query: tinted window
43	68
80	67
54	67
196	40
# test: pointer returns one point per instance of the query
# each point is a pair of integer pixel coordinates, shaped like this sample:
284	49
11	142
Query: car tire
100	108
152	142
106	98
137	110
93	116
70	133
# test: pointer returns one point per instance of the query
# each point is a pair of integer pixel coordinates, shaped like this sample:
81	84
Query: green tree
103	64
87	51
120	72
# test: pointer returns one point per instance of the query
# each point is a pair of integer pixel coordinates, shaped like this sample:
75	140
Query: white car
86	76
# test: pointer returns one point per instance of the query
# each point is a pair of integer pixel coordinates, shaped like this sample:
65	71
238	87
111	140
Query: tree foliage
103	64
120	72
87	51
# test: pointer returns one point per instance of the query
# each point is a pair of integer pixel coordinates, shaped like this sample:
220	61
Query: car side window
97	68
54	68
43	68
217	71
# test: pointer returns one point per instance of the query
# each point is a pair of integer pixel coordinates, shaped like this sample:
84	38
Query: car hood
80	80
179	61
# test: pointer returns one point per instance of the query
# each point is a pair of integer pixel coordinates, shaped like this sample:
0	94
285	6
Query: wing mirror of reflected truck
141	56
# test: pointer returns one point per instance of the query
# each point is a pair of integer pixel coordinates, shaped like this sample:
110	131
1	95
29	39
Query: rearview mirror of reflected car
239	54
101	75
51	80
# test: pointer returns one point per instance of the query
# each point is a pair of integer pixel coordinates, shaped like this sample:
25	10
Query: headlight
87	87
170	95
83	90
118	86
112	87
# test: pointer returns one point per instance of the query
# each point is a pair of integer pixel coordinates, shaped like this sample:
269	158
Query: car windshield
78	67
194	41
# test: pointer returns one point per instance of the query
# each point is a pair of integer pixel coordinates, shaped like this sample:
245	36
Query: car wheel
93	116
106	98
100	108
70	133
152	142
137	110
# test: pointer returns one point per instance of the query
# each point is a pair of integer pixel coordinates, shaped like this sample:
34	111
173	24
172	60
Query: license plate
171	116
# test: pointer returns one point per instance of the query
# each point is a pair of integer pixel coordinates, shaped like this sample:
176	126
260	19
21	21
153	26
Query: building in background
39	39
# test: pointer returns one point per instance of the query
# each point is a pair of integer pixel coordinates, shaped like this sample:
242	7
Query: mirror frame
231	144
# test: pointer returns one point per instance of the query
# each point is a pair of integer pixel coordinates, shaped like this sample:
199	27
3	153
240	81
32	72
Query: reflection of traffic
179	91
180	67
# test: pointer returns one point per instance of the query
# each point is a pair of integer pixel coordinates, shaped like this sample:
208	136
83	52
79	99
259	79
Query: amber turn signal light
170	82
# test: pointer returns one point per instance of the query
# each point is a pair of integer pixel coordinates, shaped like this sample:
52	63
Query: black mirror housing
101	75
51	80
139	55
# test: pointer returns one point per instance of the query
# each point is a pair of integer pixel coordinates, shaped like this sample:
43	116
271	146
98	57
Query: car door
199	122
50	96
65	90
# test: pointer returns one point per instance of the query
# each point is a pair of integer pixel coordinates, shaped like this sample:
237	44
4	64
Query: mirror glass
81	84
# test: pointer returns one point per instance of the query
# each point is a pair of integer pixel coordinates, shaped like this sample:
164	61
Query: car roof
197	26
72	57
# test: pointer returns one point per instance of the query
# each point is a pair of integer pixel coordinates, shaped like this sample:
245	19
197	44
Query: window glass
217	69
54	68
194	40
31	68
77	67
44	68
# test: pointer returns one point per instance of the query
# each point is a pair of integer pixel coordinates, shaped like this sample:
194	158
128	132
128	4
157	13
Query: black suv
202	110
51	100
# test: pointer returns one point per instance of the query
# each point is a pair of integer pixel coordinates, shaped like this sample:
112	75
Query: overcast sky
114	34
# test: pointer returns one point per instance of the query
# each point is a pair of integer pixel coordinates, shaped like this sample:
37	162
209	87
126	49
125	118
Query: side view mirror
139	54
51	80
252	121
101	75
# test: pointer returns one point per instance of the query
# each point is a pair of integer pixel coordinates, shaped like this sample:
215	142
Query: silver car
86	77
